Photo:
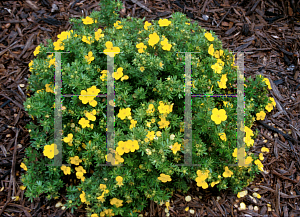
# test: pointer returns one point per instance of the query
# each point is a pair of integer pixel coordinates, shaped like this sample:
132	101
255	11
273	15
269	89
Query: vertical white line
188	112
57	112
110	108
240	110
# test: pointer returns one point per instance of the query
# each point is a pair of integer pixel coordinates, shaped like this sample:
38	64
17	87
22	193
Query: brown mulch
268	32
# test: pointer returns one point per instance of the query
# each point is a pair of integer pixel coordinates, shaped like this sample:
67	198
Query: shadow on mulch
268	32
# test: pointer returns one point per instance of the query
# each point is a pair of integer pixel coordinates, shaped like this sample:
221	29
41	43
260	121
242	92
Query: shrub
149	84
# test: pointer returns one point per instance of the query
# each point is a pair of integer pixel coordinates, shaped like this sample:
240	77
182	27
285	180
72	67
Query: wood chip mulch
267	30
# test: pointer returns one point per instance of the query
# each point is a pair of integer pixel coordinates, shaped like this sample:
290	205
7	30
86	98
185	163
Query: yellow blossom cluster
49	89
201	177
127	146
59	45
89	95
117	25
164	178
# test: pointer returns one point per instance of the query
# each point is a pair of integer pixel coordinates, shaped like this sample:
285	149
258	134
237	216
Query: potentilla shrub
149	81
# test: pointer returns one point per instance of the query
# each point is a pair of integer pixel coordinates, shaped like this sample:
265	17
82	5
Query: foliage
149	128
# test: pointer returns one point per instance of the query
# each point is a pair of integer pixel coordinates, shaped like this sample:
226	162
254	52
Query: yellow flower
30	66
84	123
123	113
89	58
187	23
209	36
161	64
85	98
212	184
98	34
116	202
133	145
153	39
58	45
264	149
164	178
164	109
259	164
217	68
158	133
117	75
234	154
211	50
146	25
69	138
51	62
141	46
176	147
87	40
202	184
82	197
249	142
48	89
110	48
273	101
223	136
88	20
218	115
80	170
164	22
125	77
163	123
221	63
150	135
227	173
75	160
266	80
122	148
37	50
91	116
65	35
116	24
93	91
22	187
166	45
221	53
93	103
261	156
150	109
50	151
269	107
248	160
119	180
66	170
248	131
142	68
148	124
202	175
222	83
261	115
23	166
133	123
